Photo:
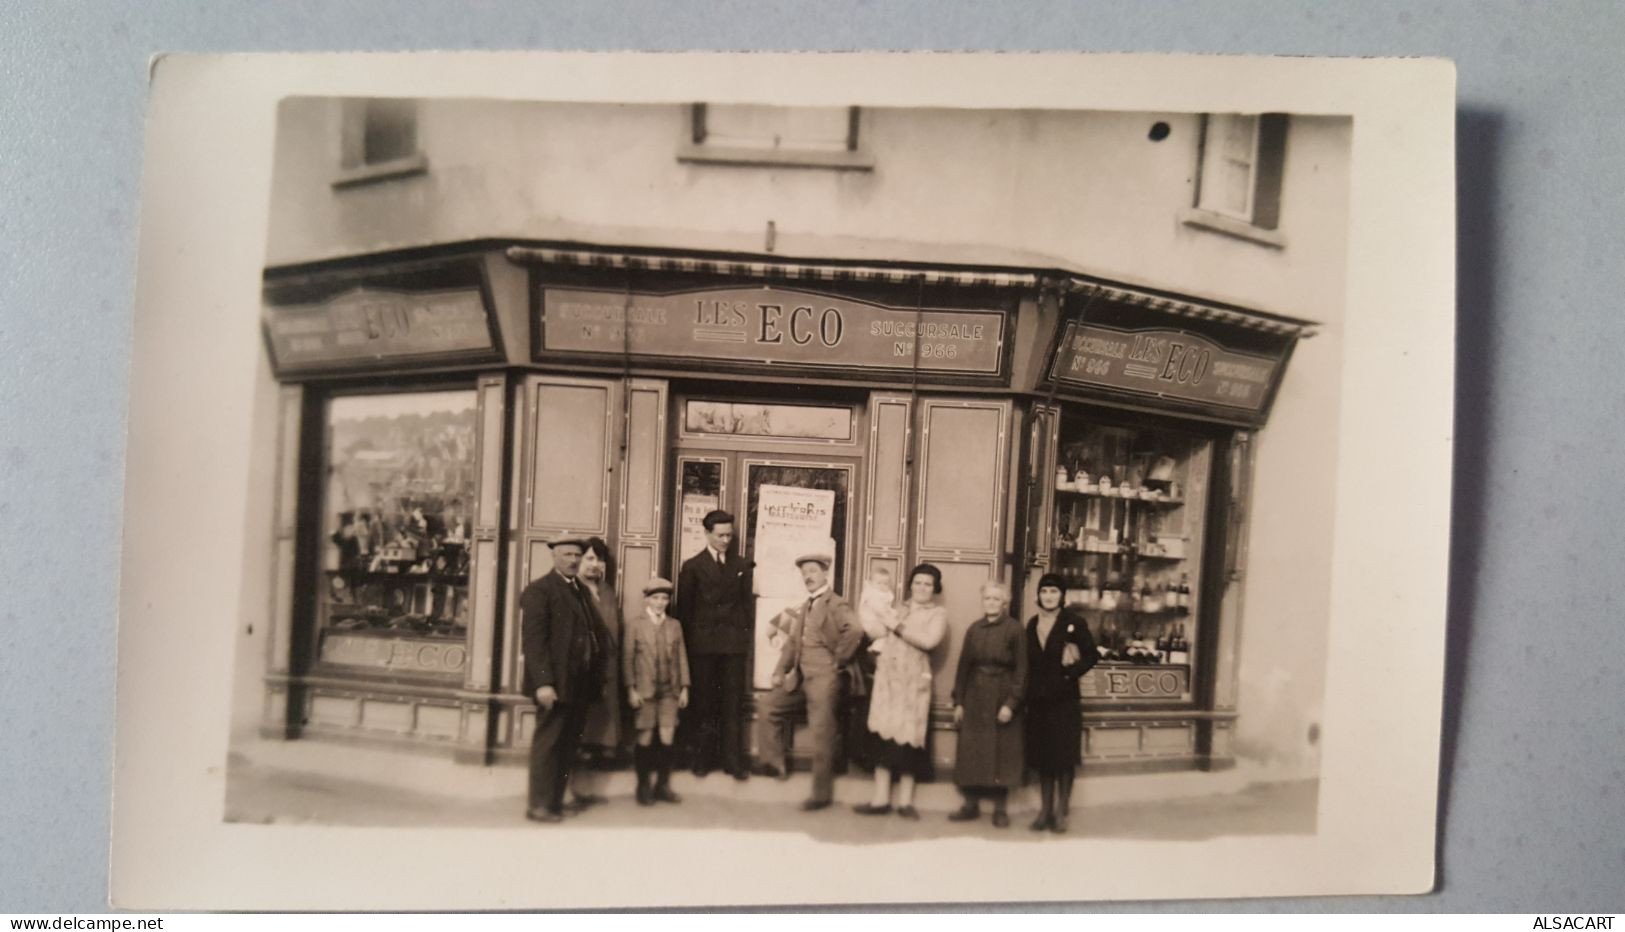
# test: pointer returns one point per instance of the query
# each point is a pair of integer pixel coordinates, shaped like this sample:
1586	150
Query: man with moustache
820	637
565	646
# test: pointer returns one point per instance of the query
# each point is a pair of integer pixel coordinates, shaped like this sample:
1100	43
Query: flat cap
559	540
657	585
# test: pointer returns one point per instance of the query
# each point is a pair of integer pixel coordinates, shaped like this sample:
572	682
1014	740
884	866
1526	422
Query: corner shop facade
981	448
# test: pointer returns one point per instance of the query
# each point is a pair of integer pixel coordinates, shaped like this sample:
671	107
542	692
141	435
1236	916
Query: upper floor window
1238	184
757	135
378	139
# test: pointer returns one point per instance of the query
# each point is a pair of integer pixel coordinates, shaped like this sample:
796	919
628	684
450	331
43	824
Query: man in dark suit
565	646
716	605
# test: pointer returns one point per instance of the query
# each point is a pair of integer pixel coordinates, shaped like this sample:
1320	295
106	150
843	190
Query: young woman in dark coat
1059	651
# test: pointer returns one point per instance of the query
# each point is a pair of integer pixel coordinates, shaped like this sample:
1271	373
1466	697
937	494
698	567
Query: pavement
316	783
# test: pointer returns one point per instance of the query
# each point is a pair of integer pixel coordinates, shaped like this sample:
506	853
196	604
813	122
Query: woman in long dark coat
605	735
988	689
1059	651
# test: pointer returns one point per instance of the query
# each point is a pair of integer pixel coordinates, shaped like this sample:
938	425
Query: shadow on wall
1478	172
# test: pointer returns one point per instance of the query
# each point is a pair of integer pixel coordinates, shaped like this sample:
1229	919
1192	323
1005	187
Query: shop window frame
305	655
1259	221
1201	632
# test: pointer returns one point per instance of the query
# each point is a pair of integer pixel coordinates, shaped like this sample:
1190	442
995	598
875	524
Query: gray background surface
1533	815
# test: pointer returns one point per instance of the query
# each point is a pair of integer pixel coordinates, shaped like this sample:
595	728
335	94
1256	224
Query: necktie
586	605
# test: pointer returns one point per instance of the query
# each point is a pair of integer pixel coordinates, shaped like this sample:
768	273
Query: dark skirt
900	759
1054	735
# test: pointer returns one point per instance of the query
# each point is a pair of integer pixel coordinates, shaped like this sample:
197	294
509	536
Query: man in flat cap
565	646
716	604
820	637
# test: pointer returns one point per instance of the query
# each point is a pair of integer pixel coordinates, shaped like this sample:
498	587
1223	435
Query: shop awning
1063	279
773	270
1189	308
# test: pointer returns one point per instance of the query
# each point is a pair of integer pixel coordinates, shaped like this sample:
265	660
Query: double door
786	504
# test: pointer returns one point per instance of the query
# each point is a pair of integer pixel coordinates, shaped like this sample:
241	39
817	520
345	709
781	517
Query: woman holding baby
900	706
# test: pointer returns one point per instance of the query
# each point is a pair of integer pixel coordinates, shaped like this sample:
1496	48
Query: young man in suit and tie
565	646
717	606
819	638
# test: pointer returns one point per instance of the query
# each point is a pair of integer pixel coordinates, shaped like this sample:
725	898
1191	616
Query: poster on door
789	522
692	539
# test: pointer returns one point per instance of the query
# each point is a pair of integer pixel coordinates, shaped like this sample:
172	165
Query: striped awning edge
786	271
1193	310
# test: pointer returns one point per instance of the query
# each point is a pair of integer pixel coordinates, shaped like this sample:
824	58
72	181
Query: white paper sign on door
789	522
692	539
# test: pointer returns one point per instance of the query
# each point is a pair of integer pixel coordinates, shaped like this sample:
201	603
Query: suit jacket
716	604
563	638
640	650
842	631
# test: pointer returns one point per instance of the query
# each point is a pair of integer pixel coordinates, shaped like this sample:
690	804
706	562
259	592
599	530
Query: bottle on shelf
1179	650
1184	594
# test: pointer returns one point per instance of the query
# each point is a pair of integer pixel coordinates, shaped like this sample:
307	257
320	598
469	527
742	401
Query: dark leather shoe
965	814
740	774
663	794
646	794
1001	820
871	809
583	803
544	815
909	813
702	771
1043	822
766	770
813	805
1058	825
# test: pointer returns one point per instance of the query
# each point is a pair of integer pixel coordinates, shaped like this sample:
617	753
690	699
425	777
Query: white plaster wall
1288	585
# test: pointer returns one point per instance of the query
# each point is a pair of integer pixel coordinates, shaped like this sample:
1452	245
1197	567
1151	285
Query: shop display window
1127	529
397	530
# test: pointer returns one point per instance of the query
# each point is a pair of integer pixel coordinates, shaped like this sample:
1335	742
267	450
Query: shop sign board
373	326
1165	363
771	325
1133	682
394	654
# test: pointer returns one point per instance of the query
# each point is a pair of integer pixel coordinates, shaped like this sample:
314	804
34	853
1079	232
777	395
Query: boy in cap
821	635
654	664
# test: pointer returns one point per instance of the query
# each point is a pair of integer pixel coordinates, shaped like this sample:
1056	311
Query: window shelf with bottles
1126	535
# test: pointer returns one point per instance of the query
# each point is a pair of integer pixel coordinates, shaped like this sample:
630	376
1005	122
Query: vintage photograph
580	480
871	473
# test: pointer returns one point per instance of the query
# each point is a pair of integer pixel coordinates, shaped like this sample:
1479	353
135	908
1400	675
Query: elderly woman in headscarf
988	691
